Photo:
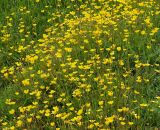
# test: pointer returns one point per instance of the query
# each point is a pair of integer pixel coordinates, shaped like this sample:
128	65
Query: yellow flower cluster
91	66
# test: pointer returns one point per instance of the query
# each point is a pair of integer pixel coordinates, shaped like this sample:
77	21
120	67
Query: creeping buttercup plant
79	65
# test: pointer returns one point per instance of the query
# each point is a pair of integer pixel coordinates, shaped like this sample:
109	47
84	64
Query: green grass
79	65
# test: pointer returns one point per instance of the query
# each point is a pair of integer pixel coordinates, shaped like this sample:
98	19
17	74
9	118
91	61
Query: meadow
79	65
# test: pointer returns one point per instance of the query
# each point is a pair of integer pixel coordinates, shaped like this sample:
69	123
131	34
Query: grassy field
79	65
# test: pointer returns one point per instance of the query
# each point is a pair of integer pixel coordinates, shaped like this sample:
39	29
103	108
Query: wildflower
125	109
109	120
12	111
19	123
55	110
12	128
29	120
110	102
80	112
77	93
26	91
130	123
155	30
119	48
143	32
26	82
110	93
52	124
101	103
143	105
122	123
9	102
121	62
4	123
139	79
91	126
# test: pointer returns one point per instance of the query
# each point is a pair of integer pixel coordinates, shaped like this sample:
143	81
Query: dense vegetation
79	64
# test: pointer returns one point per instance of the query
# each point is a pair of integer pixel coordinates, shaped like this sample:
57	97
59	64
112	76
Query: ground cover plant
79	65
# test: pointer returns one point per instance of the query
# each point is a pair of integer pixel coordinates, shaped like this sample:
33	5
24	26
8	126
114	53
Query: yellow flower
130	123
71	108
155	30
77	93
101	103
16	93
80	112
136	116
55	110
122	123
9	102
4	123
58	54
37	1
6	75
47	112
12	128
91	126
119	48
31	58
26	91
110	102
110	93
109	120
143	32
12	111
52	124
88	105
29	120
119	110
139	79
38	117
158	97
68	49
143	105
26	82
125	109
19	123
121	62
